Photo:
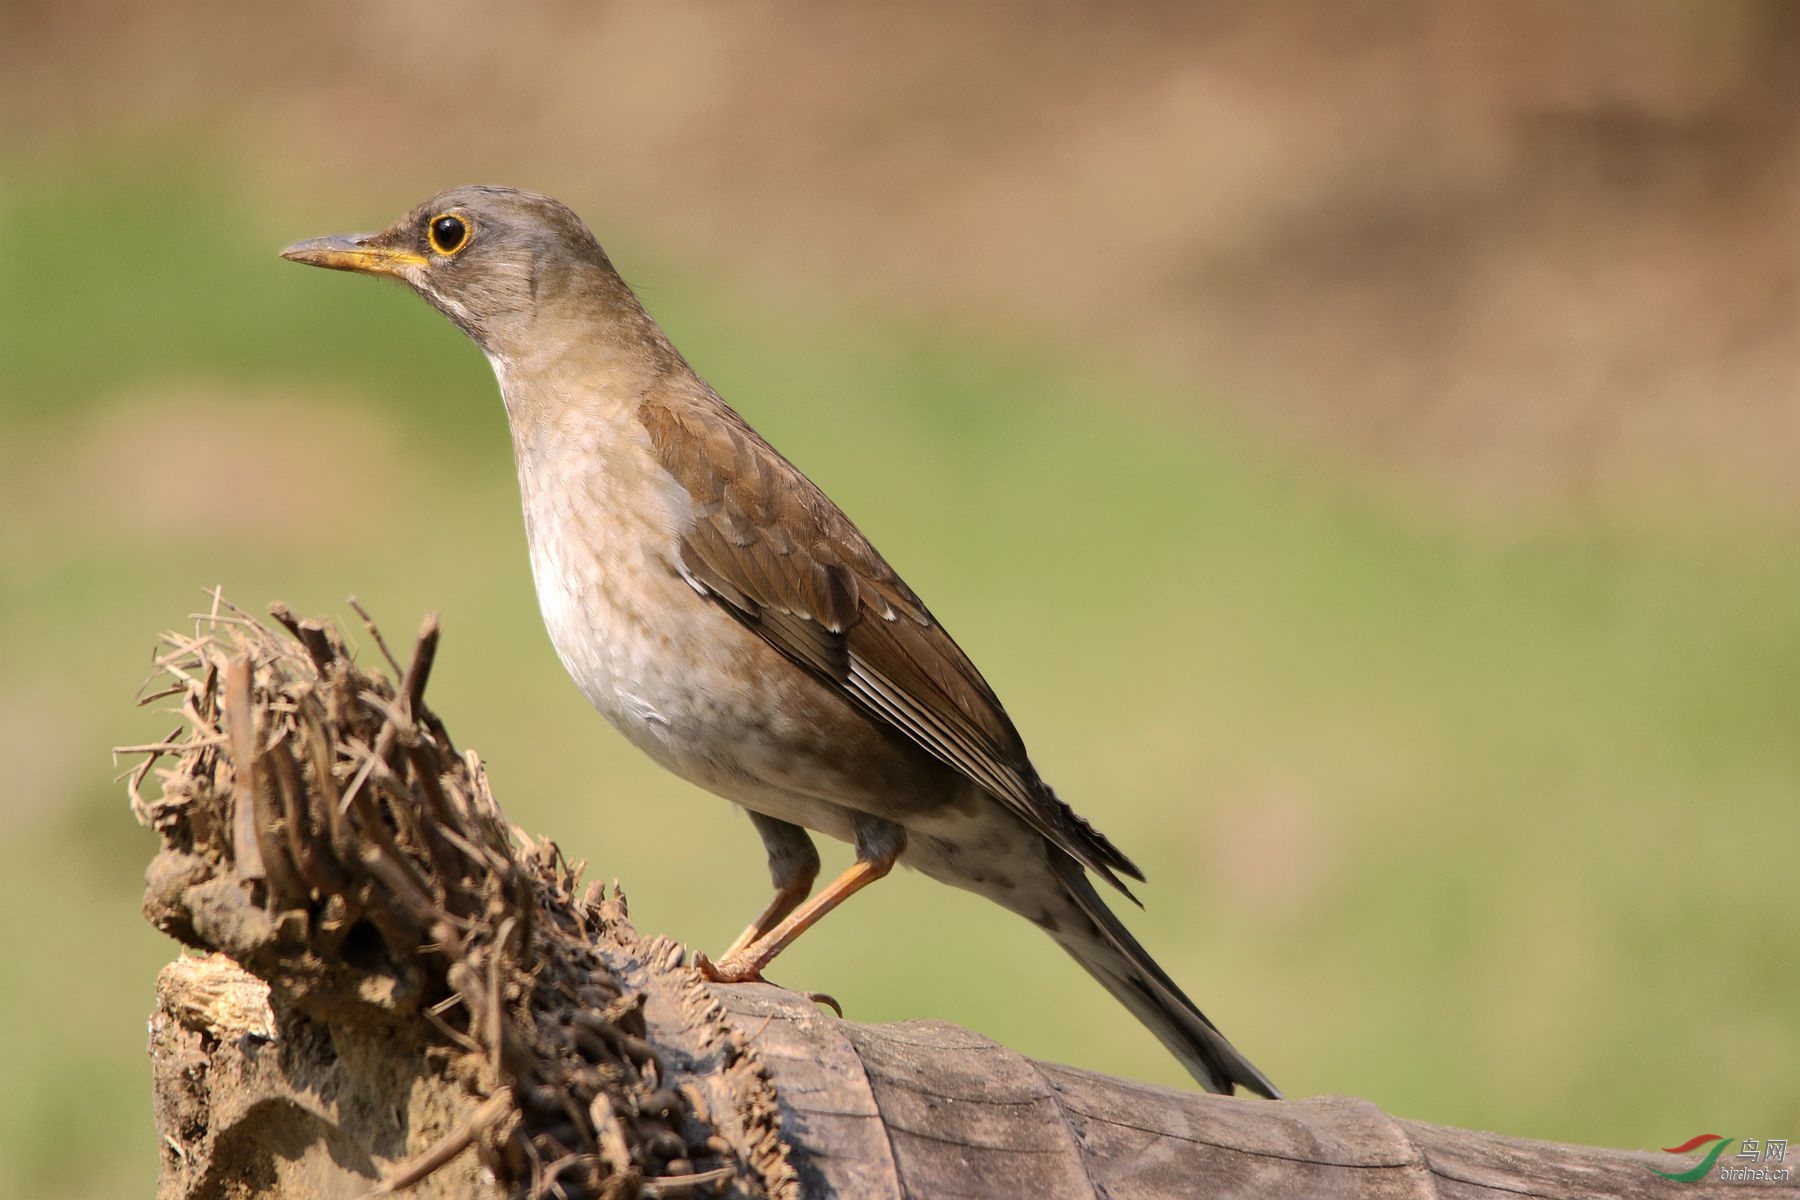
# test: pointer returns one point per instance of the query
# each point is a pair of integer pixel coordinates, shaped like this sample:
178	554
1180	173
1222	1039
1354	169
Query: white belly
613	612
664	665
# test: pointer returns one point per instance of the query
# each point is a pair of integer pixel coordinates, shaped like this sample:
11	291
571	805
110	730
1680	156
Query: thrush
724	615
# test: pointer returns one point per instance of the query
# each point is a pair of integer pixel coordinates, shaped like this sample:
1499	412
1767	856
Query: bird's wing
776	553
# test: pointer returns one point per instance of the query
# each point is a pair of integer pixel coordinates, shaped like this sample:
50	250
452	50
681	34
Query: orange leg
744	964
793	869
787	899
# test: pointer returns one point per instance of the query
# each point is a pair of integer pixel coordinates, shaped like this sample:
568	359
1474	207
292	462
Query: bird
725	616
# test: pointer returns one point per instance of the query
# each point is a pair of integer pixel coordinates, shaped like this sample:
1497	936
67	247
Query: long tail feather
1097	940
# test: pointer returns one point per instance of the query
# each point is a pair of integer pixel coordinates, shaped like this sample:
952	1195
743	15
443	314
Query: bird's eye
449	234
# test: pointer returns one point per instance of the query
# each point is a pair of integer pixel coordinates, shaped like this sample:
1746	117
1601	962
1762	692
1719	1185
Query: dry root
321	831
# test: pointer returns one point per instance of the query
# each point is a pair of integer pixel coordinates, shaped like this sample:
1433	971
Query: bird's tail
1097	940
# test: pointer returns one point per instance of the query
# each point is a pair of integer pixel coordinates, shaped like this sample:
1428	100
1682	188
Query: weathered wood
915	1110
926	1109
406	995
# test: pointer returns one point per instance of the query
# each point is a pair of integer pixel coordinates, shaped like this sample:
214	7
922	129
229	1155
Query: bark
400	993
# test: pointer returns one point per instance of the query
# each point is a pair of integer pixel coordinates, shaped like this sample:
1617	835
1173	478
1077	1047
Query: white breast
681	679
603	521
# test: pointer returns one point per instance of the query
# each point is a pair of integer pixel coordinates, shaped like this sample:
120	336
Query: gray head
492	259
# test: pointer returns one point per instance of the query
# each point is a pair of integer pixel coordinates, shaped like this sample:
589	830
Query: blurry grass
1494	827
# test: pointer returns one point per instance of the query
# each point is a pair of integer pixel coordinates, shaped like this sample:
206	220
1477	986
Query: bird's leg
793	868
879	845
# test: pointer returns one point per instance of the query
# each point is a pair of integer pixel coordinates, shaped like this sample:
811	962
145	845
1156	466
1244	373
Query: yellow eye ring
448	233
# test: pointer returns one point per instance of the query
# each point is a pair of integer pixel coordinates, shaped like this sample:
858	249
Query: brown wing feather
774	550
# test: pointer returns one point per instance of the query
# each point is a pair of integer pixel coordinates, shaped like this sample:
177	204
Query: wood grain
925	1109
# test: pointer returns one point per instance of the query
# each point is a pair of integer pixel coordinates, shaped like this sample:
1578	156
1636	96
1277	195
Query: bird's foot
733	968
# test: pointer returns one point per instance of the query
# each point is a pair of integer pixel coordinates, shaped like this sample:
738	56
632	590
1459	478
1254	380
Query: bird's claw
730	969
827	1000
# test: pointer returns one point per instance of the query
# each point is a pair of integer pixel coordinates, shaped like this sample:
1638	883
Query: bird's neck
595	494
580	364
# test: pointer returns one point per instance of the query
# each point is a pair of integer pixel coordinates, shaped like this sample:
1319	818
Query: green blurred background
1357	442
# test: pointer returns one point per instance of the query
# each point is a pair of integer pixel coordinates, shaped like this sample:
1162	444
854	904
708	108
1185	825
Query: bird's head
497	261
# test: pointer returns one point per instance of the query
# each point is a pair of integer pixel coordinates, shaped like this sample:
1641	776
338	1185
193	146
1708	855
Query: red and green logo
1700	1172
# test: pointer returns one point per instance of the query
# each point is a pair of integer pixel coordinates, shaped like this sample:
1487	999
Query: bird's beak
361	252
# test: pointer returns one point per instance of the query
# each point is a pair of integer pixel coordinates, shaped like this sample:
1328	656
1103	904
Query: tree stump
399	992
